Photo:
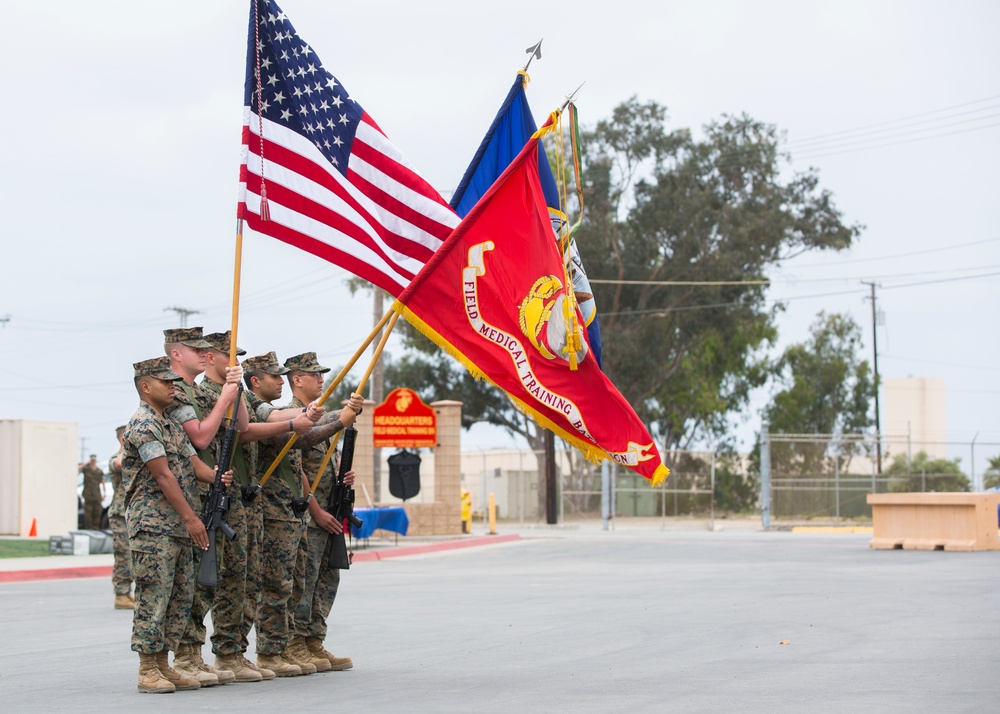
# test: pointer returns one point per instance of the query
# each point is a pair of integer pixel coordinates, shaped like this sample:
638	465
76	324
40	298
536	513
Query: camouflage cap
158	367
266	363
220	342
190	336
305	362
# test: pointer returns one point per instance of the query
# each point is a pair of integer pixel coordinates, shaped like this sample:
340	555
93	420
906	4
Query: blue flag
510	131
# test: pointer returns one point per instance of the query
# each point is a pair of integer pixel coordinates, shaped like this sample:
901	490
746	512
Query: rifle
213	515
341	505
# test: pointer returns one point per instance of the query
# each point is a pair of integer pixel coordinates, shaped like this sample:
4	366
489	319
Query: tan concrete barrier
935	521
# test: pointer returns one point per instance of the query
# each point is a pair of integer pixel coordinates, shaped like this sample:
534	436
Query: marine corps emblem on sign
542	317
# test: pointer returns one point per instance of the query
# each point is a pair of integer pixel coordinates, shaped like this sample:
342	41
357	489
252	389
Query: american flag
335	186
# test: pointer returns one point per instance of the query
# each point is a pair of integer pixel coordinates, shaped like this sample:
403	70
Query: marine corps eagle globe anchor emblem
542	320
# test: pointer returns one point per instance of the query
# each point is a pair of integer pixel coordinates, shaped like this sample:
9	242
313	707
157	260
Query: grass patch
23	548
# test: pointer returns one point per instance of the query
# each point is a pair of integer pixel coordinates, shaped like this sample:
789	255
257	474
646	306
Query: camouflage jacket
117	507
93	477
286	481
190	402
312	458
245	456
149	436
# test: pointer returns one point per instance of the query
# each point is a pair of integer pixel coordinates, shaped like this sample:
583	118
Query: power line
714	283
896	256
945	364
894	121
665	311
898	143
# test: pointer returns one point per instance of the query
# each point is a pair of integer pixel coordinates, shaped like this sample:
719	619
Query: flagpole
237	271
329	390
364	381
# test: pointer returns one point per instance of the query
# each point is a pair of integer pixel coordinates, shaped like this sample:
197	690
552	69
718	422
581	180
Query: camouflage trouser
319	585
92	511
281	544
226	601
164	587
255	543
121	572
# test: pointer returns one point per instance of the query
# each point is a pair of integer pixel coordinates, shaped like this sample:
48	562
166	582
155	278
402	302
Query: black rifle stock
217	505
341	504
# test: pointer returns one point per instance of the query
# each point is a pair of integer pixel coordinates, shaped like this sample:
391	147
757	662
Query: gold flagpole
364	381
329	390
237	270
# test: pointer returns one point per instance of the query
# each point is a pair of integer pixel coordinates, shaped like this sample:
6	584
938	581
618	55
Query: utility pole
378	394
183	313
878	427
551	497
4	320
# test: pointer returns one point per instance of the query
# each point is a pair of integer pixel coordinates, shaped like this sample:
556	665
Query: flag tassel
265	212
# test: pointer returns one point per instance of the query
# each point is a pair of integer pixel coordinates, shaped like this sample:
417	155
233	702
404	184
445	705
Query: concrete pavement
634	620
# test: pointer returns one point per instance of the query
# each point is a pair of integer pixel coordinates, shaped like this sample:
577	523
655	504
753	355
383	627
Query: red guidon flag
494	297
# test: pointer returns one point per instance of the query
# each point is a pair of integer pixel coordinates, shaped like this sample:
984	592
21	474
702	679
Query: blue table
390	518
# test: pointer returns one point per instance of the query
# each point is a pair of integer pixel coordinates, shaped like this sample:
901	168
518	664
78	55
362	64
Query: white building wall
38	477
916	406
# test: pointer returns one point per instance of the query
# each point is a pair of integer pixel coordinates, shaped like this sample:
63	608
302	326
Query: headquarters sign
404	421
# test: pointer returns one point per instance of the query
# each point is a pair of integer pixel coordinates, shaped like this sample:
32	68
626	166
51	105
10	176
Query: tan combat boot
151	681
301	655
124	602
315	645
265	673
224	677
277	664
186	664
181	682
233	664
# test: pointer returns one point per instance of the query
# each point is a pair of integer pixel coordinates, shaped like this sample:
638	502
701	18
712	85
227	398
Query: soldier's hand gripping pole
217	505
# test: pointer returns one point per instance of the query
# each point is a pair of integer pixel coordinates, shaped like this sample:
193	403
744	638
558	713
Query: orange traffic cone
33	533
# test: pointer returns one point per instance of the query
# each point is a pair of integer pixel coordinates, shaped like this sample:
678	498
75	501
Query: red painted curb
446	545
104	571
370	555
17	576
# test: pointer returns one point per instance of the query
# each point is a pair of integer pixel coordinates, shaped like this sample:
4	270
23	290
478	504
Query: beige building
913	410
38	477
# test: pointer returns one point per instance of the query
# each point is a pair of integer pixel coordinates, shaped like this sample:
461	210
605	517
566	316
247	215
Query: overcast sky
120	142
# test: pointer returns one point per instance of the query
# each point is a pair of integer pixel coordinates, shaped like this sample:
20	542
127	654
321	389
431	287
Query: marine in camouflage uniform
121	571
159	468
264	421
93	493
316	583
229	597
283	526
201	415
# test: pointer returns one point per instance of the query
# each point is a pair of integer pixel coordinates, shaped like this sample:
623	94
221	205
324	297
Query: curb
832	529
19	576
104	571
370	555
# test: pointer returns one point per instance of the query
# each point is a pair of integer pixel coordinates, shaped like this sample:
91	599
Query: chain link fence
792	478
828	476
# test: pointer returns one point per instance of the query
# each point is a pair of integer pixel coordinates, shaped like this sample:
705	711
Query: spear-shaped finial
535	51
